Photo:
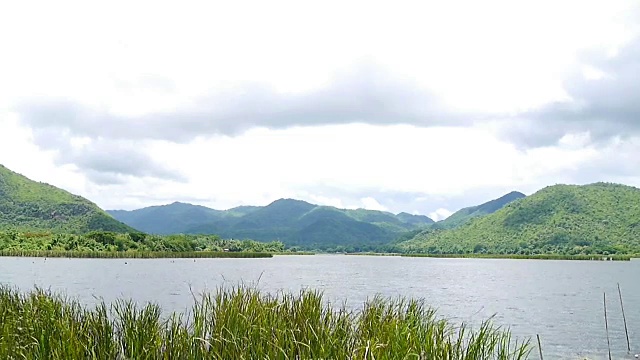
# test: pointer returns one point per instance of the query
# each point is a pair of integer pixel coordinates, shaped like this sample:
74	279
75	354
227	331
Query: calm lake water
560	300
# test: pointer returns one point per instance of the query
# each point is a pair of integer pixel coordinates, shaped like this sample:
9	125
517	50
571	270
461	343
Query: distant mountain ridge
28	205
464	215
599	218
294	222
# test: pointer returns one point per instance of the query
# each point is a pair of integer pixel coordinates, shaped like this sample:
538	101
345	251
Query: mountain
458	218
571	219
167	219
414	219
35	206
463	216
294	222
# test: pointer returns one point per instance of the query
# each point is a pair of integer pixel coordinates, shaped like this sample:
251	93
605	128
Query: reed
294	253
595	257
539	347
606	323
374	254
242	323
624	319
134	254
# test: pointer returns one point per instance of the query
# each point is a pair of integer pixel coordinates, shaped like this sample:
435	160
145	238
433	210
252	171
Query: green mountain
294	222
418	220
168	219
458	218
569	219
463	216
33	206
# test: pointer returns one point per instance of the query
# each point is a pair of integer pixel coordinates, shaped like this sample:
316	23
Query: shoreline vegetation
595	257
255	255
242	322
294	252
104	244
145	254
134	254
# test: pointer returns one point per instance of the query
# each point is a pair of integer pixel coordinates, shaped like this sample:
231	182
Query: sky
423	107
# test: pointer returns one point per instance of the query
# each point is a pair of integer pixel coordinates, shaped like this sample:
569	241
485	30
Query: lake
560	300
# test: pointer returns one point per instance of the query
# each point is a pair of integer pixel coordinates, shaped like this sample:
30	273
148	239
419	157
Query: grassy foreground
134	254
241	323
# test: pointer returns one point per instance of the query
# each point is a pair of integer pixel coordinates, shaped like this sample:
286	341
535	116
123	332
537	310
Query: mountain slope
283	213
166	219
418	220
463	216
34	206
340	232
292	221
595	218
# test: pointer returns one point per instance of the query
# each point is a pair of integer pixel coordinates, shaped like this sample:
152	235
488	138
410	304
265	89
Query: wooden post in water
539	346
624	319
606	324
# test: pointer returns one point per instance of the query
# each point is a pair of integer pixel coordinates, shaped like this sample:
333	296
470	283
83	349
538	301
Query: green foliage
417	220
327	232
133	244
29	205
294	222
522	257
242	323
463	216
599	218
136	254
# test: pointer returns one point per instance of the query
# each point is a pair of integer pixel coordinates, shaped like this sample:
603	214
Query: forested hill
28	205
292	221
463	216
571	219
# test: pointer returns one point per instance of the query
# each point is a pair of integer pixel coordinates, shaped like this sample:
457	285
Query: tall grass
534	256
241	323
135	254
294	253
370	253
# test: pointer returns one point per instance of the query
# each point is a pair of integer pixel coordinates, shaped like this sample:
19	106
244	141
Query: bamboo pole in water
624	319
539	346
606	324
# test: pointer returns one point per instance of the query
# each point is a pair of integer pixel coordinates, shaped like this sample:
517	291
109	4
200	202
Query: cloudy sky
423	107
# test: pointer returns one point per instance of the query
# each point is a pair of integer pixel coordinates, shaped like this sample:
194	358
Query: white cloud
480	58
440	214
72	48
347	166
575	141
18	153
370	203
342	164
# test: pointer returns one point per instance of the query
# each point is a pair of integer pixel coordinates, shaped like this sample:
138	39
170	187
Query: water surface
560	300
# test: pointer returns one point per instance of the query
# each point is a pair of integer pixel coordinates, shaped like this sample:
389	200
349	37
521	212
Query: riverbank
135	254
507	256
294	253
240	323
595	257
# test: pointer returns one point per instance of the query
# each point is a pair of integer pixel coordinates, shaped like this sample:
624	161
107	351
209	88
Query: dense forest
133	241
465	215
600	218
33	206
